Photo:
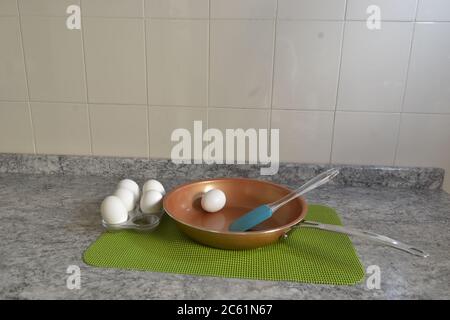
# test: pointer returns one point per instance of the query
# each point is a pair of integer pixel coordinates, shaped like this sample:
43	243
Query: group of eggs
115	208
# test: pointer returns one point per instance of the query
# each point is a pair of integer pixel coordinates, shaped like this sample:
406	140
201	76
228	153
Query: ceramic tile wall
137	69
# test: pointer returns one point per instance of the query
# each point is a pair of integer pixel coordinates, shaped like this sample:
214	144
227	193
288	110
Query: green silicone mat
307	255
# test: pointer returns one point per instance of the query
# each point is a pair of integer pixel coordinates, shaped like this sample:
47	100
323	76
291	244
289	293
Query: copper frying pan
182	204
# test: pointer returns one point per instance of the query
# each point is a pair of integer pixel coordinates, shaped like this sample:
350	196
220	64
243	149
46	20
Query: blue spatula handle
251	219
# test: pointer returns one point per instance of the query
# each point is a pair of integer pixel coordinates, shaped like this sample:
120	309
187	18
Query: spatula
264	212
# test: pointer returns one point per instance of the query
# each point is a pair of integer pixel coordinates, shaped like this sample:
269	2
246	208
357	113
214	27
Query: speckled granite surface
289	173
48	220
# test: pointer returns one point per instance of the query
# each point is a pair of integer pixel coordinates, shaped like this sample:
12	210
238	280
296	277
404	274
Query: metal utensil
264	212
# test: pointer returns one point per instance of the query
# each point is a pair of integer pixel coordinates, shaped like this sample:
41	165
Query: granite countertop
49	218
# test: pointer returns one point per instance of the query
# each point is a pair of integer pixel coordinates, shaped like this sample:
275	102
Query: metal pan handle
364	234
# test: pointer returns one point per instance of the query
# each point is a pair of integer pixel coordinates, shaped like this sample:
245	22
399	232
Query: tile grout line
269	125
397	142
208	74
333	127
146	80
118	104
229	18
83	48
30	111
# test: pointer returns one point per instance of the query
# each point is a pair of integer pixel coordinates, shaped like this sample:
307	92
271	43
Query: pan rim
262	232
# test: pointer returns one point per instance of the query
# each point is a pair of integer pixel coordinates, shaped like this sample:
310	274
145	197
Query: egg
213	200
130	185
113	210
153	185
127	198
151	202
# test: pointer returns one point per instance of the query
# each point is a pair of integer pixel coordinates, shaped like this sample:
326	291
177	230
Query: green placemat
307	255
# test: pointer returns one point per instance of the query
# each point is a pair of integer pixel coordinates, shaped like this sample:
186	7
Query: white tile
241	63
113	8
119	130
311	9
177	62
428	85
46	7
374	67
433	10
243	9
394	10
223	119
198	9
305	136
16	133
12	68
307	64
365	138
54	60
163	120
8	8
424	141
115	60
61	128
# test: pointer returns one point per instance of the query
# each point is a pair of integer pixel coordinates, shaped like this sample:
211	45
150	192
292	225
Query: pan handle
363	234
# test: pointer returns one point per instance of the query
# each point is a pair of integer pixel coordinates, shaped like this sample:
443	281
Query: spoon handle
315	182
364	234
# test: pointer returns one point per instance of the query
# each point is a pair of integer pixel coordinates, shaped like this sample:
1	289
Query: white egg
127	198
130	185
113	210
151	202
213	200
153	185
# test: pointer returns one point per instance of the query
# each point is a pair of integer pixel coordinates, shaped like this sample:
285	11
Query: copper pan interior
243	195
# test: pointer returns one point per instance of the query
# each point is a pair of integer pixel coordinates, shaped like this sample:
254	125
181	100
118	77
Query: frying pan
182	204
